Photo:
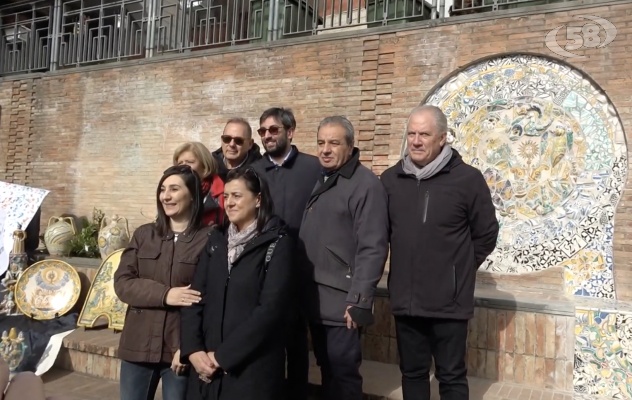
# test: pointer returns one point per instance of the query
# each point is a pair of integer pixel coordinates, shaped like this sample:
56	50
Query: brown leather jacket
149	267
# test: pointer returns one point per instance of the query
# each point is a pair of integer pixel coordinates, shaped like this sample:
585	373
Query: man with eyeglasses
291	176
238	148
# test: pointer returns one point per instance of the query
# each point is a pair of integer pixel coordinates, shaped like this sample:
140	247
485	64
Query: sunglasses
273	130
238	140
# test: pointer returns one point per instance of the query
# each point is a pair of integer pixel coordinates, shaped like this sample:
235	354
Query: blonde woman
199	158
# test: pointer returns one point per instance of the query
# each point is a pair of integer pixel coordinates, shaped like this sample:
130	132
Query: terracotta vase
113	236
58	235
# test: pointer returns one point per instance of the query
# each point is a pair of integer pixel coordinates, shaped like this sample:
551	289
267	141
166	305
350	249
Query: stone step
80	386
92	354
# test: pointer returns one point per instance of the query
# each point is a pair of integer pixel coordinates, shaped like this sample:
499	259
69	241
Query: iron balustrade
461	7
98	31
25	37
42	35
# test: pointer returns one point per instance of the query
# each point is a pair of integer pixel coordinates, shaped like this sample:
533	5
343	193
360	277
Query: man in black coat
345	238
238	148
291	176
443	227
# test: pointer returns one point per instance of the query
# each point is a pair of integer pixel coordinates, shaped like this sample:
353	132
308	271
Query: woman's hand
176	365
202	364
182	296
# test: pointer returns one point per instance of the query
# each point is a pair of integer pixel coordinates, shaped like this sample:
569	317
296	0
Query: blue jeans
140	380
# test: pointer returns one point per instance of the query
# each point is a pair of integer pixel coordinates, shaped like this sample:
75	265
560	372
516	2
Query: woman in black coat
234	337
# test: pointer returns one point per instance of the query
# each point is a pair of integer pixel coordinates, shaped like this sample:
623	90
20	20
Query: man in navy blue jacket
291	176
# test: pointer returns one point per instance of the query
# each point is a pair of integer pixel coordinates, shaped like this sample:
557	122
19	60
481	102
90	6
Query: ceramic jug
113	236
58	235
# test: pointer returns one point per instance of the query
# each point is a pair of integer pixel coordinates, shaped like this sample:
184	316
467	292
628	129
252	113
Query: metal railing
41	35
90	32
460	7
25	37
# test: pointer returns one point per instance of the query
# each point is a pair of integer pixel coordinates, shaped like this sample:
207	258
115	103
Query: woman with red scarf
196	155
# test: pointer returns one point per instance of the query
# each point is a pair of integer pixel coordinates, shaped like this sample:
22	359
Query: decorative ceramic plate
47	289
102	301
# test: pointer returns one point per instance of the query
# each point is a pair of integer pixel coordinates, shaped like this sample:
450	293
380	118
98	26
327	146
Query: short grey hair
243	122
440	120
342	121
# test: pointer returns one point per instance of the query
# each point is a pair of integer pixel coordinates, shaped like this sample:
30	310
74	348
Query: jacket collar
184	237
253	154
288	163
347	168
274	228
346	171
211	200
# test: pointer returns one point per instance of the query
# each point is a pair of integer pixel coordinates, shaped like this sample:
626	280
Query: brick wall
101	138
16	114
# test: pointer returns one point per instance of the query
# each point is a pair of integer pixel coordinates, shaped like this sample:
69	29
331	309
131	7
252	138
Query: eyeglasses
238	140
273	130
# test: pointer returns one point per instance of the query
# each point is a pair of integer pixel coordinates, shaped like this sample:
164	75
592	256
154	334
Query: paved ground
78	386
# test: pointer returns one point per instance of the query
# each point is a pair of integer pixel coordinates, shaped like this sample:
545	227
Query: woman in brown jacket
154	279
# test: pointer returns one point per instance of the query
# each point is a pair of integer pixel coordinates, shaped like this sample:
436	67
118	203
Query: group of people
250	252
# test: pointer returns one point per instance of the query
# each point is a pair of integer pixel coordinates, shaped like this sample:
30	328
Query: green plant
85	244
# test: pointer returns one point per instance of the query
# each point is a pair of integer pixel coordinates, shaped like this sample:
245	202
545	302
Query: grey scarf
238	240
432	168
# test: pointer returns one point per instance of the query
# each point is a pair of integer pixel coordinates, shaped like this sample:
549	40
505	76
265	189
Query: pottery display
113	236
102	301
58	235
47	289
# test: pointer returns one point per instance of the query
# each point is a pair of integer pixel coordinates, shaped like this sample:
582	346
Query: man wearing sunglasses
291	176
238	148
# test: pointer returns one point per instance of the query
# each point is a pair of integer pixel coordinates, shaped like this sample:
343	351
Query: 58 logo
582	36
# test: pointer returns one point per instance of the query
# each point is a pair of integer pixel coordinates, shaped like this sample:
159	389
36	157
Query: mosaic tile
603	354
553	152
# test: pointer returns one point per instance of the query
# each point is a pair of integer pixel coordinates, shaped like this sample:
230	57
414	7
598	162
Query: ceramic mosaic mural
553	152
603	353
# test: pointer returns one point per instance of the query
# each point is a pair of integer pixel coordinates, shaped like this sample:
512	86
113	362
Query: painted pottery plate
102	301
47	289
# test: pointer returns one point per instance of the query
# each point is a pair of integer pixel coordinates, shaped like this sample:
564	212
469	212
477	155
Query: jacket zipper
412	270
226	290
341	261
224	307
454	275
426	201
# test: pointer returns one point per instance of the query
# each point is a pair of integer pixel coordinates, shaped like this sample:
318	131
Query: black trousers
419	340
297	353
338	353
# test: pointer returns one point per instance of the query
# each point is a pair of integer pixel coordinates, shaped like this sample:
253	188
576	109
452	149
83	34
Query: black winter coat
253	155
441	230
291	185
242	316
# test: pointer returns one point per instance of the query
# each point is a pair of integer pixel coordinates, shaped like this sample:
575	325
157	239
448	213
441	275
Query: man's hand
202	364
350	323
182	296
176	365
